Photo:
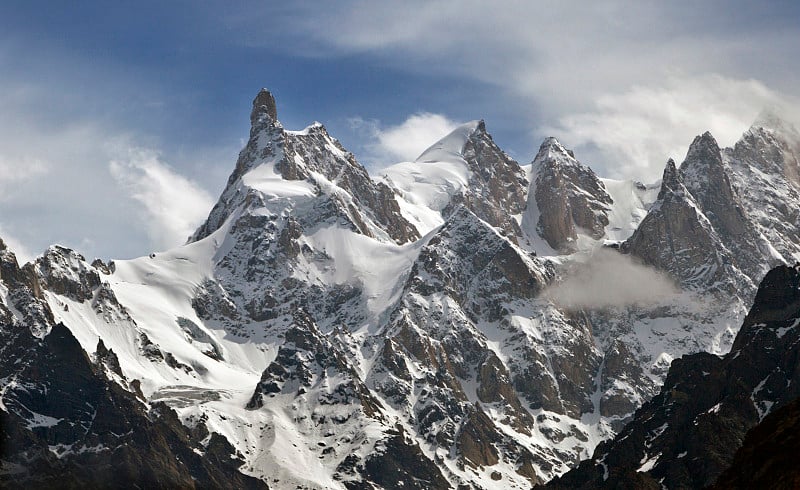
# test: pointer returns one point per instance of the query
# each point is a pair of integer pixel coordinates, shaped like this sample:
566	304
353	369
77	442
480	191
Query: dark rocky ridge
65	423
69	426
768	456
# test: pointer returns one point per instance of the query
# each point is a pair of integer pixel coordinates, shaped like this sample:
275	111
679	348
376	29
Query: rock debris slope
329	329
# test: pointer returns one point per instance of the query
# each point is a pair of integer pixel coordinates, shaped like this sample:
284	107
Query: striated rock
568	197
677	237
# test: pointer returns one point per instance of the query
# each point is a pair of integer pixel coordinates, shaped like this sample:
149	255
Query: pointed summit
465	167
703	148
565	198
552	148
263	105
671	180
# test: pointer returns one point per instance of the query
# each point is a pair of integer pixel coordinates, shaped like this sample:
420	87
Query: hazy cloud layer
610	279
20	250
642	127
55	182
170	206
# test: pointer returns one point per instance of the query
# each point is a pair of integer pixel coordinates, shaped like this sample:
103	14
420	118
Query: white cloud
637	130
170	205
405	141
55	147
20	250
610	279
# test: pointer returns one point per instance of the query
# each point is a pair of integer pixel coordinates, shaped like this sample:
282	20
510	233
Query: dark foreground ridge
688	435
69	426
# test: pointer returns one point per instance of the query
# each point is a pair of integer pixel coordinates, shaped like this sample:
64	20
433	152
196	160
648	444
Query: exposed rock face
306	357
466	285
264	107
767	458
65	272
711	241
497	185
677	237
568	196
766	175
687	435
707	178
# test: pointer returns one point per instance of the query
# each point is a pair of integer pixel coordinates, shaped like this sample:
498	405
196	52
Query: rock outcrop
568	197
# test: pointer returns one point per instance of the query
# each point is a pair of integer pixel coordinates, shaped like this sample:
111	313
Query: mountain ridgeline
328	328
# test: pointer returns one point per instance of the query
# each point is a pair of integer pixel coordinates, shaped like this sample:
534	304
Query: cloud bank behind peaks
635	131
610	279
170	205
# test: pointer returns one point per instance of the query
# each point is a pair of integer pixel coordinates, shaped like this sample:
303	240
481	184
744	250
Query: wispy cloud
170	206
403	142
56	142
17	247
611	279
640	128
14	170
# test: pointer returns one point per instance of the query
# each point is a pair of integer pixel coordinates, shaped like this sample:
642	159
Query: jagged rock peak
264	104
568	196
778	296
552	148
704	149
771	144
671	180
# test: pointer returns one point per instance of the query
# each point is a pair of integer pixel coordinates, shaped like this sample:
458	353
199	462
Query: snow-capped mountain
325	328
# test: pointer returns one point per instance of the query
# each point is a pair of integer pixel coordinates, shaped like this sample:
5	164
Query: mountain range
461	320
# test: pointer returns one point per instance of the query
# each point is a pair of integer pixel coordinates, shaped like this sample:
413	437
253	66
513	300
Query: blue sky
121	121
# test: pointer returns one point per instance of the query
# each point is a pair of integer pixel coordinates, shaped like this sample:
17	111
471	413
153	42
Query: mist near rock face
609	278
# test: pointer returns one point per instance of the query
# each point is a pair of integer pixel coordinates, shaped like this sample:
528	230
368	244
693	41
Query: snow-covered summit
551	149
451	147
285	171
465	167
